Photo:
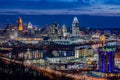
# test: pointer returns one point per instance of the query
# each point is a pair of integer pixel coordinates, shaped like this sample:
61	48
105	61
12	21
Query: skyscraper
19	22
55	28
106	59
75	27
64	31
30	28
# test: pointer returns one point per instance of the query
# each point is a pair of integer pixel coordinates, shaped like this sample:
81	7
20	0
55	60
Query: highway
52	74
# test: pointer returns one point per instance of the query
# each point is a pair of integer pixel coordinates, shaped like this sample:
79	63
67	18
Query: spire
75	20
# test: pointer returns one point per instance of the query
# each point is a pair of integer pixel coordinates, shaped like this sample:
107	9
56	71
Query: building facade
20	26
106	59
75	27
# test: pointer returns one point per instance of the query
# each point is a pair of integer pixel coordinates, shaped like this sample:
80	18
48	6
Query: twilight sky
52	7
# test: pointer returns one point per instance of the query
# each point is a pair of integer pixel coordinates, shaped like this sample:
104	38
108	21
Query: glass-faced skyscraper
106	59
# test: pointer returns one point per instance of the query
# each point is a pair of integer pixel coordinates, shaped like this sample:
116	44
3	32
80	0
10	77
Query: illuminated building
20	26
77	53
75	27
84	52
107	32
59	32
55	28
13	34
29	40
30	28
102	38
95	36
29	25
64	31
106	59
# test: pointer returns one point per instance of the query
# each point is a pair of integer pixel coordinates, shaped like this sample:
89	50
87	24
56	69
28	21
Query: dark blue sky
85	20
100	13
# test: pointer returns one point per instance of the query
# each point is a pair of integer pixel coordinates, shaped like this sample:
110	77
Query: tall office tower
20	26
64	31
30	28
55	28
75	27
106	59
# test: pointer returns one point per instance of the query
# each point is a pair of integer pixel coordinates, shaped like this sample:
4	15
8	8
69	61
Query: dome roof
29	25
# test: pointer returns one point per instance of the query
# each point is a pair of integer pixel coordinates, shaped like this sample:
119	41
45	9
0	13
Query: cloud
103	10
101	1
83	1
52	7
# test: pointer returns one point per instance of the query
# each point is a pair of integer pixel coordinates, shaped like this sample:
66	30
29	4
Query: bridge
49	45
45	45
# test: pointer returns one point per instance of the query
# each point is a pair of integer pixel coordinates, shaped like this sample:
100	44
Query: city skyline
41	21
60	39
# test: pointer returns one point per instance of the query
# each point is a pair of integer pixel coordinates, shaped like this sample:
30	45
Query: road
48	73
